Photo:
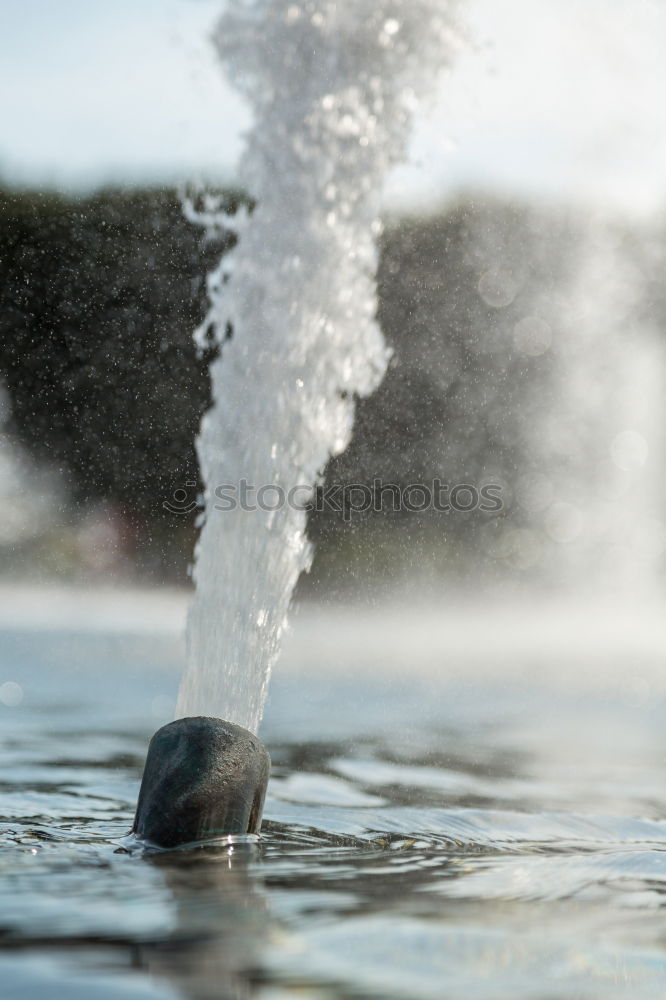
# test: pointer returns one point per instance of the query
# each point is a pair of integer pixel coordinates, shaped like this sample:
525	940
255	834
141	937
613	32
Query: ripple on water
458	854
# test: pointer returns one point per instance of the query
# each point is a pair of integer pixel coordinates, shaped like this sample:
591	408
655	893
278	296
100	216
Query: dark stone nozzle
203	778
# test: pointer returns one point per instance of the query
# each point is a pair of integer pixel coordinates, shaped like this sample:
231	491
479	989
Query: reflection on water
222	919
427	833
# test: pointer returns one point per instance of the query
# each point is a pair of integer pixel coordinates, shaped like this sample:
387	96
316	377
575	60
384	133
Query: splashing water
334	88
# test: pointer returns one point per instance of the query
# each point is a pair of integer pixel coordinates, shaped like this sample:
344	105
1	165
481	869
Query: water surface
455	832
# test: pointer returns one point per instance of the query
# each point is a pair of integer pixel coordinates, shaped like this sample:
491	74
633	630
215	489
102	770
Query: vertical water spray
333	88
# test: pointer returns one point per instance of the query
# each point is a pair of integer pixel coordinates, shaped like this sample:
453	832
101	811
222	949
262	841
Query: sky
552	99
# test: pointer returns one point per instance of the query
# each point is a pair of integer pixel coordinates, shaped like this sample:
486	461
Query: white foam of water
334	88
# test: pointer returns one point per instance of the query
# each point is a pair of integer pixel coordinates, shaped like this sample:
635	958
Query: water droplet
629	451
11	694
497	288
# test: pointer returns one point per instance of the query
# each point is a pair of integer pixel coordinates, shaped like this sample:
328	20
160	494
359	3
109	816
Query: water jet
333	97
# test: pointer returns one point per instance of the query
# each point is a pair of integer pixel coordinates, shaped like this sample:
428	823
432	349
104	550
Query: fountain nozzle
204	778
